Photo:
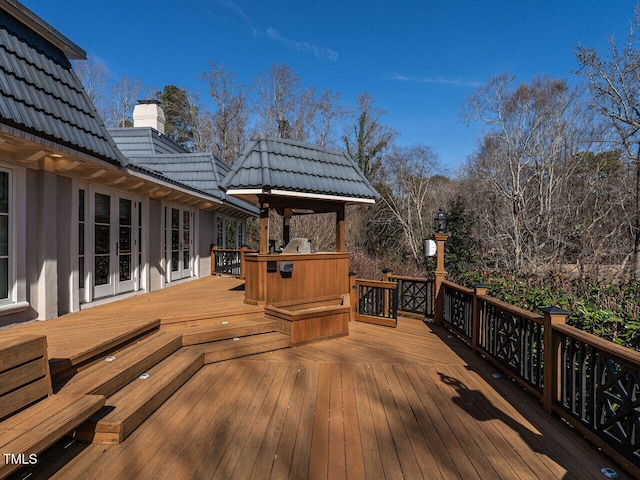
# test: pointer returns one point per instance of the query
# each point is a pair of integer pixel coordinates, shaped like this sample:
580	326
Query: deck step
243	346
179	321
102	345
226	329
107	377
125	410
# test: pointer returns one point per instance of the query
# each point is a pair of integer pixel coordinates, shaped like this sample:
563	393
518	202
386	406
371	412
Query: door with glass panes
180	242
116	230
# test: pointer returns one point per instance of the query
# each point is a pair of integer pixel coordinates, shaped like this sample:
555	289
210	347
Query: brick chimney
148	113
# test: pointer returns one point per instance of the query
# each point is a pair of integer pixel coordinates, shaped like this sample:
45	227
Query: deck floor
78	334
381	403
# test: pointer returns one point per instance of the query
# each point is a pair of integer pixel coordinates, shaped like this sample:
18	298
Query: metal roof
152	151
194	169
286	167
144	141
39	92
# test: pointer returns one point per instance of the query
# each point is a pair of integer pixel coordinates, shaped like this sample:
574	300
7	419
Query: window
5	236
220	232
240	233
230	233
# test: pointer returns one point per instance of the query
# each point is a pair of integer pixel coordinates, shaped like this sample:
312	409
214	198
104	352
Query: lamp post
440	224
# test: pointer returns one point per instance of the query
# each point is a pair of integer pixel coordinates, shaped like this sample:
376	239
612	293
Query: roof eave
253	193
31	20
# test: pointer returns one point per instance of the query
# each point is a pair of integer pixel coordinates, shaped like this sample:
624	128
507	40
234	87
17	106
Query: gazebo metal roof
277	167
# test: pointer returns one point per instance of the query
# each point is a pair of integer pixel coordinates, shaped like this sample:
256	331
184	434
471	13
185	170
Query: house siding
64	234
204	242
155	244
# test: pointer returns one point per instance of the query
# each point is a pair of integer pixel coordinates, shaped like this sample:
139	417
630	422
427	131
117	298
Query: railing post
243	251
213	258
385	274
475	322
551	365
385	278
440	274
353	296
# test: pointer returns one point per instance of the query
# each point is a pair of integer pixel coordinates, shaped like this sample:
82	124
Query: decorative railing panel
601	390
513	338
592	383
458	310
227	262
377	302
415	295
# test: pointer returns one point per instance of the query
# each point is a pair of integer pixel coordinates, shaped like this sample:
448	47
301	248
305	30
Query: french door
180	233
116	230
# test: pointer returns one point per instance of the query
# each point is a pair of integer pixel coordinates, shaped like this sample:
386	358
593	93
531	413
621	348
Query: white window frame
166	236
240	237
16	300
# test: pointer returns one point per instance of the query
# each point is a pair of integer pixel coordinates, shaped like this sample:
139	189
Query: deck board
281	415
77	335
408	402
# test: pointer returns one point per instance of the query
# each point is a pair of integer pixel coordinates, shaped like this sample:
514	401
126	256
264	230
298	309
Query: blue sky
420	60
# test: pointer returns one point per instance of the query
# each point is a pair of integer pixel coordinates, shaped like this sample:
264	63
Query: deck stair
243	346
215	330
107	377
145	374
126	409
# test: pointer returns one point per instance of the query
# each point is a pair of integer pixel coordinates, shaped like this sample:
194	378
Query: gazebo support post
286	226
340	231
264	229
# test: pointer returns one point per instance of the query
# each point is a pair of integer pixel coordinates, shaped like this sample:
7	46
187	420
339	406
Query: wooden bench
312	319
31	418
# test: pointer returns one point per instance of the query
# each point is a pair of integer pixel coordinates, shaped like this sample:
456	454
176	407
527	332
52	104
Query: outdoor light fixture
440	221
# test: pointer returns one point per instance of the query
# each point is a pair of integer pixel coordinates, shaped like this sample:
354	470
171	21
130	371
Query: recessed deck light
610	473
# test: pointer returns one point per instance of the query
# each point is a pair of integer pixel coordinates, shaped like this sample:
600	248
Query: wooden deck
381	403
75	337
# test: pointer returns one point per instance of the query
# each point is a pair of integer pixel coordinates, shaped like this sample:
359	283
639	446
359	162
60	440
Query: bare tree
614	82
231	118
94	76
533	133
408	201
328	114
278	92
124	95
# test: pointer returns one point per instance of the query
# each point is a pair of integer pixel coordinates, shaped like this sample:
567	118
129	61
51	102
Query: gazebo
297	178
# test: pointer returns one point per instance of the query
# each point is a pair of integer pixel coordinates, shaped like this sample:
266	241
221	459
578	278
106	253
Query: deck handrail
229	261
416	296
376	301
590	382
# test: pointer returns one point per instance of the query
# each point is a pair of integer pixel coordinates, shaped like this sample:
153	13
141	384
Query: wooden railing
513	338
598	390
592	383
415	295
229	261
376	302
458	308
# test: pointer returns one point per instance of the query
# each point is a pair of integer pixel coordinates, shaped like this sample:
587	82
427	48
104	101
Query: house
82	221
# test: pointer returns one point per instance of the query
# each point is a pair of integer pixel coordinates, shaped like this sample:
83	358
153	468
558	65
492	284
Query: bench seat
41	425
